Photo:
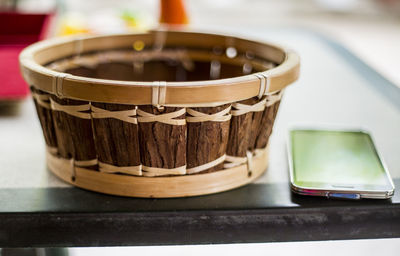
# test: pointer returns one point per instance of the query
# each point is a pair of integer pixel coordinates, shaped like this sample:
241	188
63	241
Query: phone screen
337	158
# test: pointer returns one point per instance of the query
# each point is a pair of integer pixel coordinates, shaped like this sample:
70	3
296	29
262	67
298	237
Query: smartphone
337	164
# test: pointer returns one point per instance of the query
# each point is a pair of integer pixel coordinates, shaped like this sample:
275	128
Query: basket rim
188	93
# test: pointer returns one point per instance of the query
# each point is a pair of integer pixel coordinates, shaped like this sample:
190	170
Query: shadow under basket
160	114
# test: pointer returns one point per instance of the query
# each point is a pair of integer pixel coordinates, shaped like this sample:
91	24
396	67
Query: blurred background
368	28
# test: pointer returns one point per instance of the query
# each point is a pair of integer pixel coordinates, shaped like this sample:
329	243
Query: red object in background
16	32
173	12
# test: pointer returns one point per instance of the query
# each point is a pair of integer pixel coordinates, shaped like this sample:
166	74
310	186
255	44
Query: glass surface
336	158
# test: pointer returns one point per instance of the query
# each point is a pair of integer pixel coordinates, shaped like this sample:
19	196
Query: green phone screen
335	157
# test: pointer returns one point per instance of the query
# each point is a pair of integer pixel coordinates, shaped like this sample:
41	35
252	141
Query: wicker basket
197	123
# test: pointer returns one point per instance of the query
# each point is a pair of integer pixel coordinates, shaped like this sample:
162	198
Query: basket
160	114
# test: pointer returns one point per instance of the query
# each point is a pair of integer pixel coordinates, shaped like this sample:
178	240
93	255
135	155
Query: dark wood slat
240	131
74	135
116	141
46	121
208	140
267	123
162	145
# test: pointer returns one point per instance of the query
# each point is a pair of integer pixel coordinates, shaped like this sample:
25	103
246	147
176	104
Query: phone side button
344	196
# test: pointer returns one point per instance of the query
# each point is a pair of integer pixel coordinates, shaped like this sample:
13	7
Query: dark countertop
45	217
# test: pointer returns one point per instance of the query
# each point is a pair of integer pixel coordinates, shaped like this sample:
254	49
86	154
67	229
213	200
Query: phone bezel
325	189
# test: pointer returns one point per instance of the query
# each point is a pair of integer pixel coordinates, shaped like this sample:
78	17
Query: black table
255	213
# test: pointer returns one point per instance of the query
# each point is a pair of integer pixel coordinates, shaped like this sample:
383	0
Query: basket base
159	187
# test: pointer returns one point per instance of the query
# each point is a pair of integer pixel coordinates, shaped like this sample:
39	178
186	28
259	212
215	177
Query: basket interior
170	64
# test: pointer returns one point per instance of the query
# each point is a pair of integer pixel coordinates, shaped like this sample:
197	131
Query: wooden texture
46	121
74	135
116	141
208	140
255	129
160	187
267	123
240	131
162	145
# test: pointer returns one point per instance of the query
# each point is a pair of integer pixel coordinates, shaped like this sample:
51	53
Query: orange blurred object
173	12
